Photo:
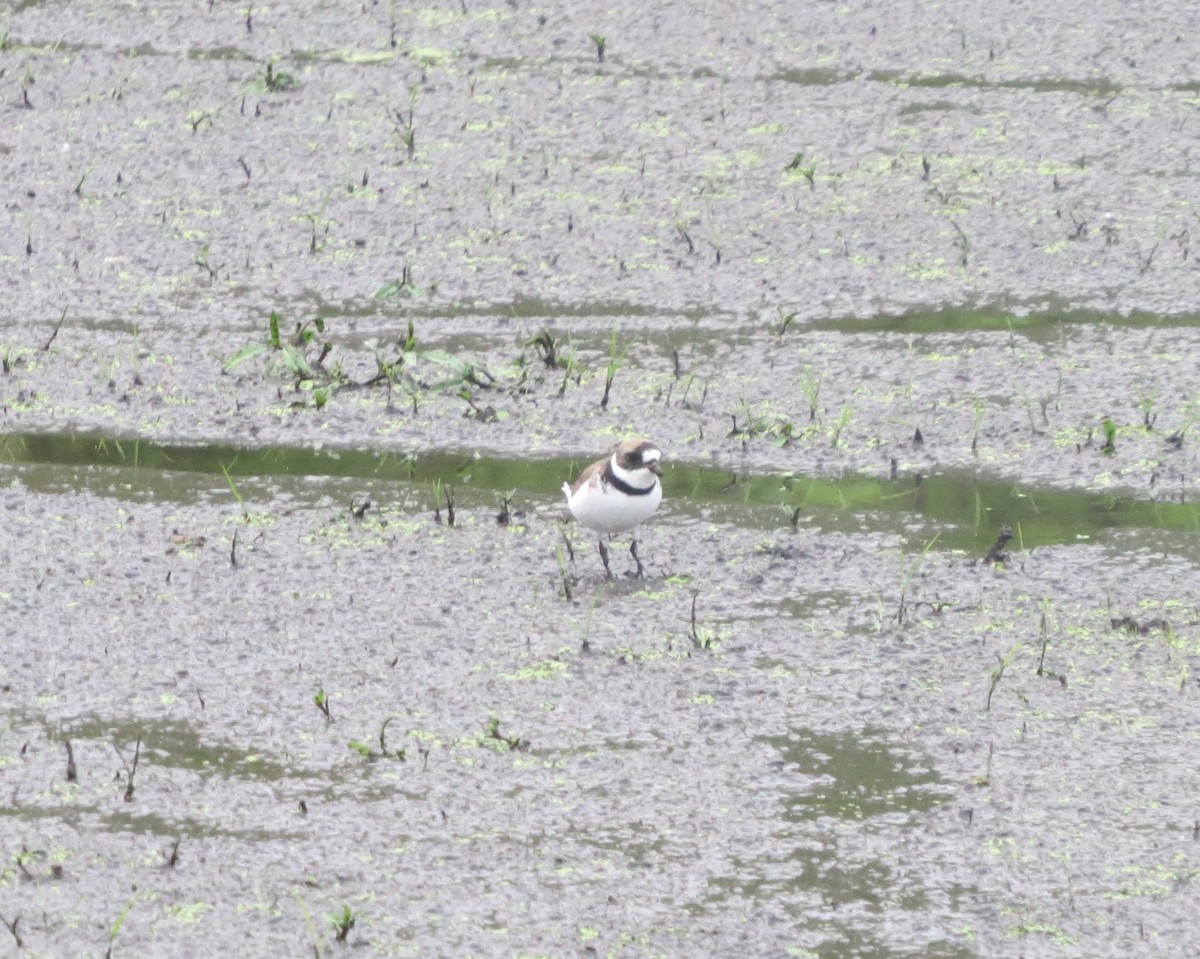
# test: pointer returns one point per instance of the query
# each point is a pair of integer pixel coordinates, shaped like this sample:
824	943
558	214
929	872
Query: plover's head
639	454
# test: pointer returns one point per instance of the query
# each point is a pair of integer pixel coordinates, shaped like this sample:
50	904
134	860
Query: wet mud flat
854	270
858	750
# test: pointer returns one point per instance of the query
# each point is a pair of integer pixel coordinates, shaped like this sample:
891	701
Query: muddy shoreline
879	282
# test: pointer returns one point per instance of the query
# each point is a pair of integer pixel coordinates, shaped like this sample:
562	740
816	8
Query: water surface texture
309	309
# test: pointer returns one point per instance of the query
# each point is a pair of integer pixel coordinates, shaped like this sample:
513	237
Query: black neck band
613	480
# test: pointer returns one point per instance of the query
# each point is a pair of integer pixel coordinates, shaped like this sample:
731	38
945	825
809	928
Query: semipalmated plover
618	493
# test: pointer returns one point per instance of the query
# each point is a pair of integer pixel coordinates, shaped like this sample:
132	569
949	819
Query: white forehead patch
651	454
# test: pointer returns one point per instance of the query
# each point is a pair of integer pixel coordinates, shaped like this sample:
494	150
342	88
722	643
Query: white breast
603	508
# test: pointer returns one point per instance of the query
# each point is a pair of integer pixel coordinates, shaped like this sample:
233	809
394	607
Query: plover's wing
596	469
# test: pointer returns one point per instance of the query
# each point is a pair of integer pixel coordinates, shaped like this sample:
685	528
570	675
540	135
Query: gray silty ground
820	779
827	777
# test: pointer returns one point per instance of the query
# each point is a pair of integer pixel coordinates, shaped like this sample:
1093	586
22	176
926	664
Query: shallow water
878	282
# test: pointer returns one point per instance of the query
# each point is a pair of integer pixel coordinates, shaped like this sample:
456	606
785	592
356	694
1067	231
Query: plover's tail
567	492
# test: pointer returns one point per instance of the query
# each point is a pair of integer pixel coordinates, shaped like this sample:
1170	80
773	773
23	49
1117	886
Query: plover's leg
641	570
604	557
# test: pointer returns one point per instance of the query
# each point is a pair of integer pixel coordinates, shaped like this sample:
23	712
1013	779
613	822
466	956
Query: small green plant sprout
908	573
998	673
197	118
810	385
404	124
396	368
599	42
962	242
497	740
701	637
369	754
573	369
437	500
547	349
237	495
797	167
1110	437
690	404
277	81
563	570
1146	402
321	701
202	262
301	356
410	339
843	420
405	287
400	754
1047	605
783	321
773	426
115	930
318	225
342	922
616	359
27	80
976	423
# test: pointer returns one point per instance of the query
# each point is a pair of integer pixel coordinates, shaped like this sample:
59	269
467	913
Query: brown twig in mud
130	771
997	554
504	517
515	743
12	927
609	375
564	574
1045	643
72	773
986	778
998	674
546	347
1041	670
1148	259
54	332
